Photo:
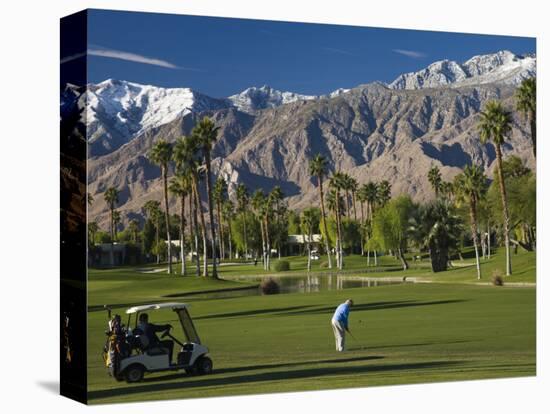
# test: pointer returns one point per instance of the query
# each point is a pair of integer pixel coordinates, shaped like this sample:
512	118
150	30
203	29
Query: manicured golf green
410	333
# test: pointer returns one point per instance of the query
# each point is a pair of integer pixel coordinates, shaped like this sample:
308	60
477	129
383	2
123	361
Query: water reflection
318	283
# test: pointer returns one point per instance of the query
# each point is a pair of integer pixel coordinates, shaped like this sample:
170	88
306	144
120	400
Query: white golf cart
128	355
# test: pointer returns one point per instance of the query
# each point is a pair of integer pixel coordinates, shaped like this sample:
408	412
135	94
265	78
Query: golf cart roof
156	306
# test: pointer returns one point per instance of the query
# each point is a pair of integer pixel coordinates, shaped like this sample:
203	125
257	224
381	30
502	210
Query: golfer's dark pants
169	345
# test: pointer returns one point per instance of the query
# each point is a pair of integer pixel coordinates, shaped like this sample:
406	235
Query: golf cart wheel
134	373
204	366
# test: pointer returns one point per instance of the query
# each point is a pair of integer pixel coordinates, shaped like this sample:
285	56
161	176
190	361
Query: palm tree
90	198
179	186
228	214
185	157
219	195
337	183
116	221
362	197
318	168
526	104
242	205
372	196
258	200
207	134
133	228
434	177
495	125
111	198
277	196
470	186
384	192
308	220
161	155
92	231
153	212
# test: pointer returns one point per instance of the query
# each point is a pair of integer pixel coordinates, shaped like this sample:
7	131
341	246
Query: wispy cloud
95	50
410	53
338	51
131	57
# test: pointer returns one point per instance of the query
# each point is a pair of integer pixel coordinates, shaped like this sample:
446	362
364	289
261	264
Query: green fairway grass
408	333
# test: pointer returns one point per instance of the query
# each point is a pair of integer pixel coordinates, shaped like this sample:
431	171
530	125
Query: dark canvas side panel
73	75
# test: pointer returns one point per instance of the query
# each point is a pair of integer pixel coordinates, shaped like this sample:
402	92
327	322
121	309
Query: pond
301	283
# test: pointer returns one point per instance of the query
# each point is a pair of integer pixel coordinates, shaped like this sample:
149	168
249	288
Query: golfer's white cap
349	301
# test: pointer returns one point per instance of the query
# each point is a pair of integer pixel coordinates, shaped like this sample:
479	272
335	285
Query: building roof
303	238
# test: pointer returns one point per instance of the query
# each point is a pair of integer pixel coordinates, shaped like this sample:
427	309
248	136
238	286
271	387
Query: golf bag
115	347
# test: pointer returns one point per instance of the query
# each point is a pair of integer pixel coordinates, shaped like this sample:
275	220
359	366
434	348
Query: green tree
207	134
242	206
220	195
111	198
384	193
470	186
495	125
258	200
309	221
337	183
438	228
390	227
318	168
228	210
161	155
93	228
117	218
153	212
180	187
434	177
187	162
526	104
133	228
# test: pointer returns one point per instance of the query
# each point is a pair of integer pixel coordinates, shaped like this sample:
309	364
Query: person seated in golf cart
149	330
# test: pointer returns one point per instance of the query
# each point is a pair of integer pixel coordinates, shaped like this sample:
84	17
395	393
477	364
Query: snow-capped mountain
117	110
252	99
501	67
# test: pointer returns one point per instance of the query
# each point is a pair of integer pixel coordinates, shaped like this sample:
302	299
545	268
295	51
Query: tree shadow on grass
380	305
253	312
269	376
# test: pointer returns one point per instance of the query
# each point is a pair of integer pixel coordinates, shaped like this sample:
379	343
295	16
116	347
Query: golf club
355	339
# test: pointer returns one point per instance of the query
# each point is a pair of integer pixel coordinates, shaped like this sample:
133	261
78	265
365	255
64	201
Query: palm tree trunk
167	217
504	211
245	237
324	216
401	257
220	230
195	230
339	232
112	258
263	242
211	215
354	200
309	251
268	244
230	237
488	241
375	258
473	219
203	227
182	236
158	238
362	228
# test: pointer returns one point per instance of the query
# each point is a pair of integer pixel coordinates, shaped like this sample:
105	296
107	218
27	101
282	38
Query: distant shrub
323	264
497	278
281	266
269	287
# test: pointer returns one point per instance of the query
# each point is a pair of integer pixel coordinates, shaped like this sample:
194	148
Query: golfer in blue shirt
340	324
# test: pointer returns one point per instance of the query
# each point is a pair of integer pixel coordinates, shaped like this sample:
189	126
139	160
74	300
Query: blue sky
221	57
